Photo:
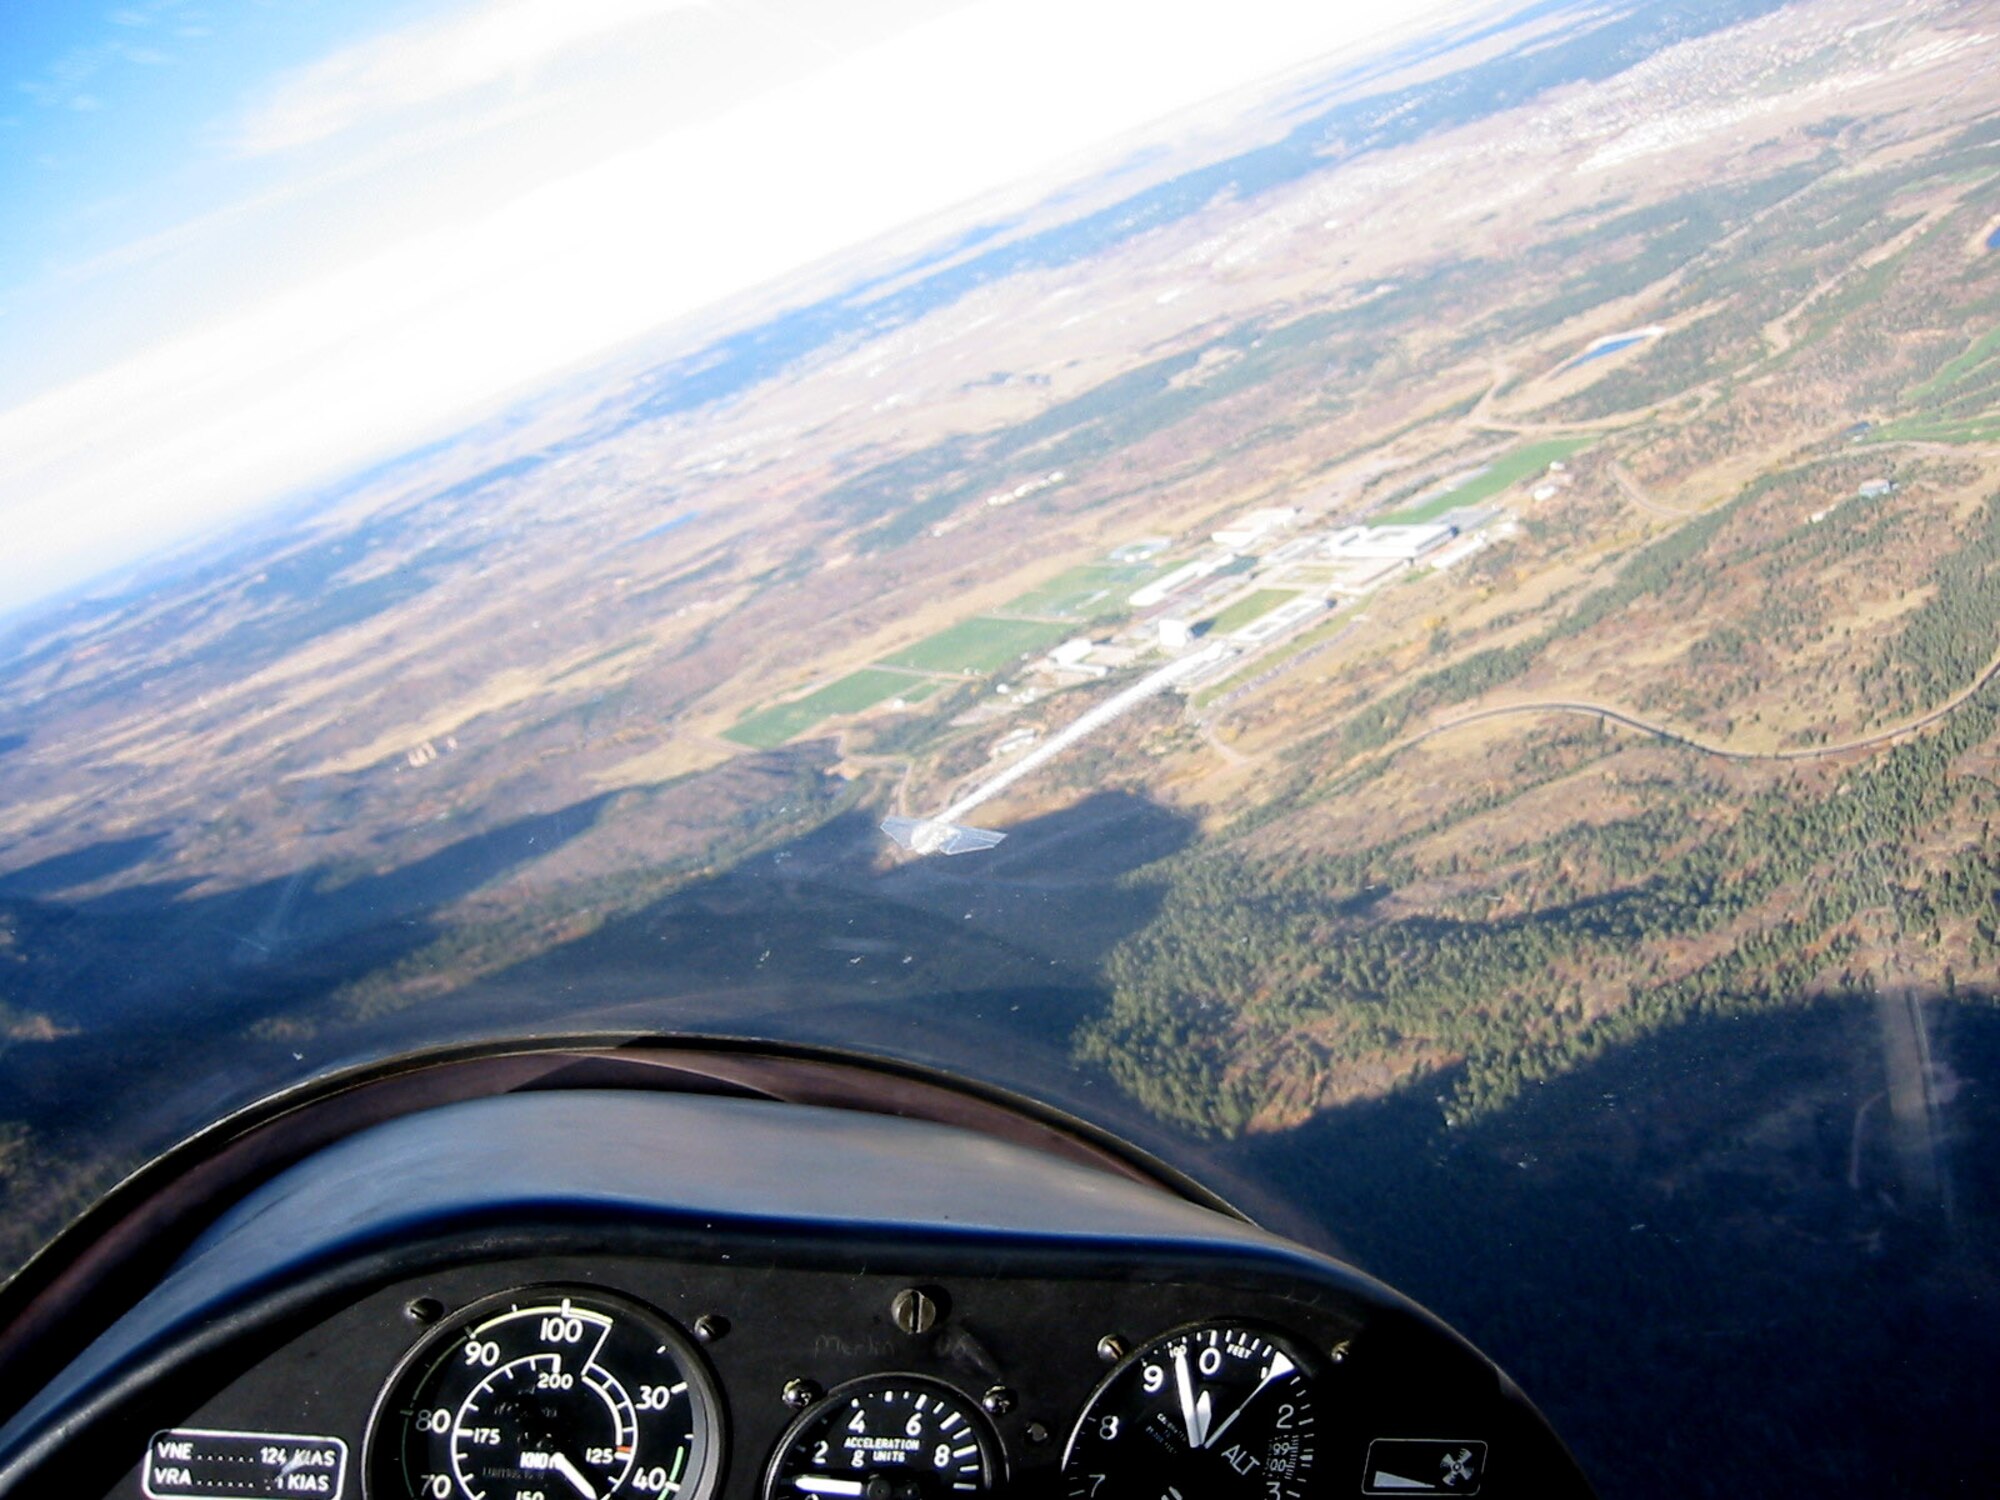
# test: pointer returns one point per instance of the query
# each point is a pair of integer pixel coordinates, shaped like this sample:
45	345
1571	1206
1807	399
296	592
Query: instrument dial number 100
548	1394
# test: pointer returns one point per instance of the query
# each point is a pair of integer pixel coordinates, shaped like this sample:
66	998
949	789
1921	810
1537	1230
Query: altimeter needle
1280	1368
1185	1386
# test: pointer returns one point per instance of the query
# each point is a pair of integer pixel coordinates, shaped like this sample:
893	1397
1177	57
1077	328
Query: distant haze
329	260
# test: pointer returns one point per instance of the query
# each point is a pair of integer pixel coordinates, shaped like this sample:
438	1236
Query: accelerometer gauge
1212	1412
550	1393
888	1437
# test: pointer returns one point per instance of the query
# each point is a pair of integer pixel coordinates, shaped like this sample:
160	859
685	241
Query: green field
1250	607
1955	371
1933	430
768	728
978	646
981	645
1958	404
1500	475
1093	589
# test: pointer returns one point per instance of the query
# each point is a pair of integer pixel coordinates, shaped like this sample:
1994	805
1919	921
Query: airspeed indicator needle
559	1463
552	1392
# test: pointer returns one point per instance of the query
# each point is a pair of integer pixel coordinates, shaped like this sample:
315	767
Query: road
1087	723
1660	731
1631	490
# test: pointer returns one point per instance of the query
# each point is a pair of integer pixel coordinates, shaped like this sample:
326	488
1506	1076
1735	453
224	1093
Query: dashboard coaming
782	1232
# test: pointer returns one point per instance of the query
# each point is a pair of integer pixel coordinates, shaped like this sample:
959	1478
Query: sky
250	245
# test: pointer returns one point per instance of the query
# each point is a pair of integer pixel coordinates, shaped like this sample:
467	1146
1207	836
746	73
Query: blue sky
252	245
110	123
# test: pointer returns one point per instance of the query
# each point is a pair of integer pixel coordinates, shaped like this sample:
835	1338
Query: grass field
1984	348
768	728
1093	589
1958	404
1937	430
1250	607
1500	475
980	645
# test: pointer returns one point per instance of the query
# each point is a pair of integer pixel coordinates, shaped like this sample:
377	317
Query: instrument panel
595	1295
569	1389
612	1376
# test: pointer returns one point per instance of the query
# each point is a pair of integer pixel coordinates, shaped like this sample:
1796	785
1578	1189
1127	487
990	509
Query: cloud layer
423	64
423	325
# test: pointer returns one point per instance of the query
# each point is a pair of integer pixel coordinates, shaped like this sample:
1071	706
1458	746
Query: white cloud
358	363
430	61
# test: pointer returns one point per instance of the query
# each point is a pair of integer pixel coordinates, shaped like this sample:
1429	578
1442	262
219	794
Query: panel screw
801	1393
423	1311
708	1327
1111	1348
915	1311
1338	1353
998	1401
1036	1432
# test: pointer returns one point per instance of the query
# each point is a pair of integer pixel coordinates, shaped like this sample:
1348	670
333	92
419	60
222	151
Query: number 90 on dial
547	1394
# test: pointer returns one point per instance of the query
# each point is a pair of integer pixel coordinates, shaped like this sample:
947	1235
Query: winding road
1660	731
1631	490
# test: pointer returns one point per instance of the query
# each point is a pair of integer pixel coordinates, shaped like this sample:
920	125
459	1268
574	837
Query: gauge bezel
709	1420
991	1448
1311	1362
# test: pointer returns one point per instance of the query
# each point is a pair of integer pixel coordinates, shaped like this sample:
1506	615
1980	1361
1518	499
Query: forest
1267	985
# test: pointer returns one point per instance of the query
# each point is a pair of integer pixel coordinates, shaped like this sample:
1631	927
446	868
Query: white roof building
1402	543
1287	615
1071	652
1246	531
1162	588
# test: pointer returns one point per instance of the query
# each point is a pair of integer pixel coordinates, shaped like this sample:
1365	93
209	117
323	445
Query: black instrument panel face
594	1376
896	1435
546	1389
1214	1409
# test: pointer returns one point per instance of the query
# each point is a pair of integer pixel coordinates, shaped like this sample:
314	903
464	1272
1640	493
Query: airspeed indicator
547	1393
